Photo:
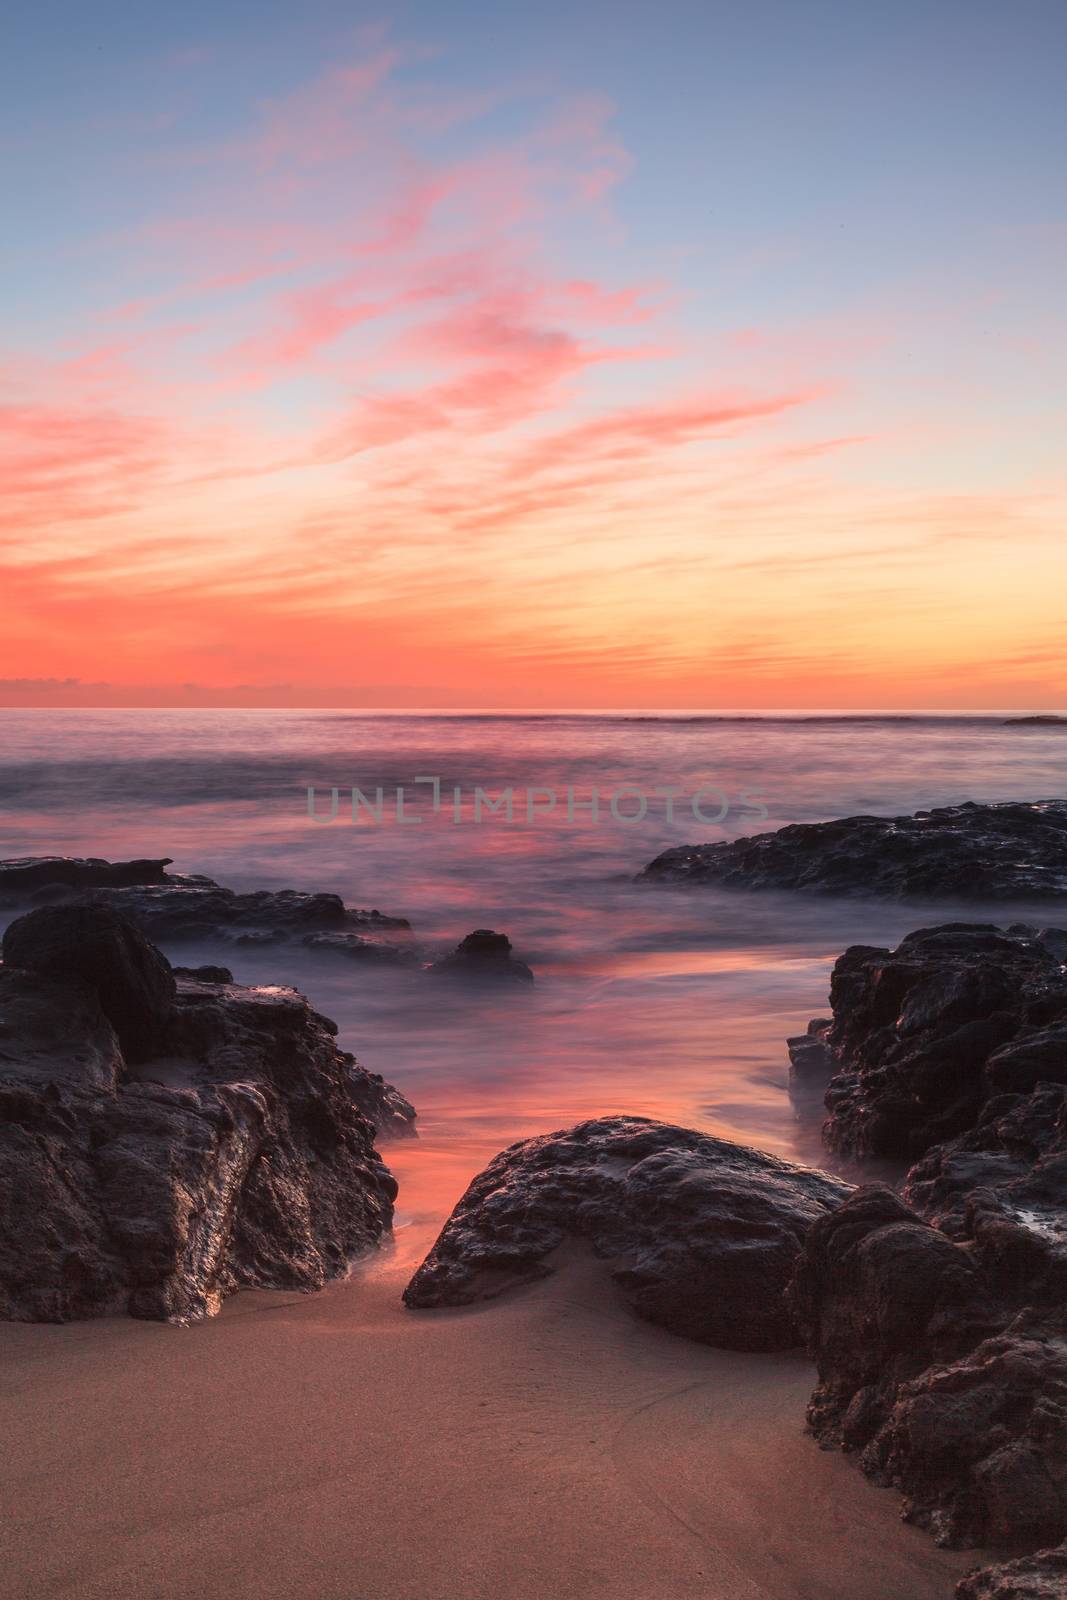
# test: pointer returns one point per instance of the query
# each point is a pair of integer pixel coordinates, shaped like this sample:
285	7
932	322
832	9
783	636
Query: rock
1042	1576
27	875
191	907
924	1035
55	1032
979	1445
1008	851
1048	721
811	1066
205	974
701	1234
1003	1188
175	906
483	956
240	1154
927	1370
132	980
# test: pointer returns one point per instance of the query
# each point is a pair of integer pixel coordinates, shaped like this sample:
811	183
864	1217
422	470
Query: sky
645	355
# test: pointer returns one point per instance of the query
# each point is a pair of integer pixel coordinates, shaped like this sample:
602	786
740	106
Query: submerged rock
238	1153
701	1235
923	1036
485	957
1008	851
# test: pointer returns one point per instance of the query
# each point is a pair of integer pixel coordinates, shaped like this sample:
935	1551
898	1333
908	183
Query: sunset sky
676	355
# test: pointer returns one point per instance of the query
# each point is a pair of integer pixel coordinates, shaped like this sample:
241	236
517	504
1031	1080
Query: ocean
649	1000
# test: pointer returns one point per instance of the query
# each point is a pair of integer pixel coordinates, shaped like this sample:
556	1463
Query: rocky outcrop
50	877
483	957
1008	851
699	1234
237	1152
176	906
924	1035
929	1371
936	1319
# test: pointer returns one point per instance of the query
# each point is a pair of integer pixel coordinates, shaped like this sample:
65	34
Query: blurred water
649	1000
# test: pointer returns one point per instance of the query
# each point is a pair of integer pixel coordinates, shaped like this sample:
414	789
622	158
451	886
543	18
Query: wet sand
337	1445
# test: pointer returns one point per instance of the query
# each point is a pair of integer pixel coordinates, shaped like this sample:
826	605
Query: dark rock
53	1031
241	1154
1042	1576
927	1370
1003	1187
979	1445
1036	722
924	1035
192	907
176	906
1008	851
205	974
132	979
701	1234
22	877
483	956
811	1066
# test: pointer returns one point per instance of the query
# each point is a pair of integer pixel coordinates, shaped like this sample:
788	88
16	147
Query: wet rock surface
238	1152
1008	851
483	957
700	1235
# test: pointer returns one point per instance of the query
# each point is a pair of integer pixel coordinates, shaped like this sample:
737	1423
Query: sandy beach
337	1445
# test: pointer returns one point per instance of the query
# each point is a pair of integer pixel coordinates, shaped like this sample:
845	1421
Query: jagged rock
205	974
483	956
1042	1576
239	1154
923	1035
132	980
1008	851
929	1370
701	1234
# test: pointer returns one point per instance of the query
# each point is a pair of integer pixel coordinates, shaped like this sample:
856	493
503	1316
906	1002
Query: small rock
484	956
